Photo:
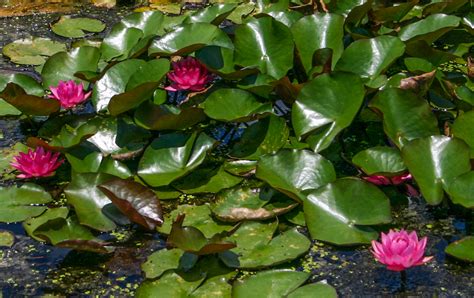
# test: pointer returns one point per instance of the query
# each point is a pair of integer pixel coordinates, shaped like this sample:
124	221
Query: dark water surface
30	268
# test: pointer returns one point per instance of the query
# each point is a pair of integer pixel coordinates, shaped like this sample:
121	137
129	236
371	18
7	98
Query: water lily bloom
400	250
383	180
188	74
69	94
36	163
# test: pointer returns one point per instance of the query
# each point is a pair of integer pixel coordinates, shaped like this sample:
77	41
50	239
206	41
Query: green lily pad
62	66
370	57
32	51
266	136
213	14
7	154
429	28
266	44
199	217
6	239
161	261
206	180
325	106
171	284
337	212
379	159
32	224
460	190
119	43
233	105
20	203
319	289
462	249
62	230
88	200
76	27
167	117
434	162
462	129
295	171
29	104
172	156
270	284
28	83
308	36
406	116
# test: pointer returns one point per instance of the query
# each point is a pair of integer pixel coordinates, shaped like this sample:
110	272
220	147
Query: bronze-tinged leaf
470	67
137	202
286	90
87	245
37	142
242	213
29	104
420	84
192	240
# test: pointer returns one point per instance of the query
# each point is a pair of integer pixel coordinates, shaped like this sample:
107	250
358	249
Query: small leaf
462	249
377	160
6	239
136	201
20	203
86	245
75	27
32	51
160	261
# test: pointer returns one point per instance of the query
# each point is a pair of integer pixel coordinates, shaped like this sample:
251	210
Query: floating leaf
295	171
462	129
370	57
188	38
20	203
271	283
88	200
462	249
233	104
214	14
309	36
62	66
337	212
266	44
429	28
319	289
61	230
29	104
434	162
32	224
379	159
119	42
6	239
266	136
86	245
28	83
172	156
167	117
325	106
76	27
206	180
136	201
461	189
160	261
171	284
406	116
32	51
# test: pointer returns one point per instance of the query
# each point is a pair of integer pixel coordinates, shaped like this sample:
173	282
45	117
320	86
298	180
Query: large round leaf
75	27
172	156
370	57
62	66
318	31
88	200
320	289
114	82
149	22
430	28
20	203
28	104
336	211
269	284
188	38
266	136
295	171
462	249
379	160
167	117
434	162
463	128
233	104
29	84
214	14
266	44
461	190
171	285
32	51
32	224
325	106
119	42
406	116
160	261
206	180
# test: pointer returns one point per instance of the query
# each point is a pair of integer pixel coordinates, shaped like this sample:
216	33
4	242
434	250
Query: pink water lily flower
188	74
400	250
383	180
36	163
69	94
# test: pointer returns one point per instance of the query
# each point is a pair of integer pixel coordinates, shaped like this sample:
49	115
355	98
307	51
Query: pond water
30	268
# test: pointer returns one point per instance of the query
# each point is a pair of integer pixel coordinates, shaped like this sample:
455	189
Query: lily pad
429	28
319	289
172	156
167	117
462	249
434	162
379	160
337	212
171	284
29	104
462	128
160	261
6	239
460	190
295	171
32	51
76	27
32	224
206	180
61	230
272	283
20	203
